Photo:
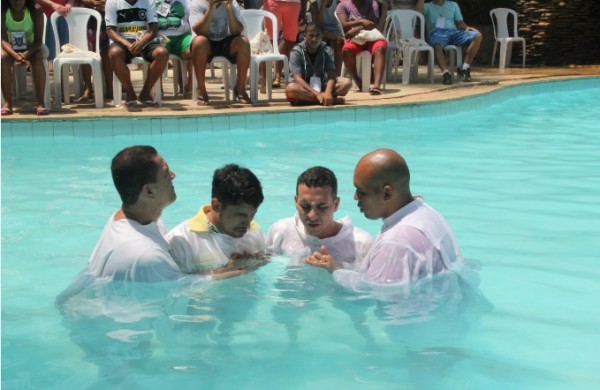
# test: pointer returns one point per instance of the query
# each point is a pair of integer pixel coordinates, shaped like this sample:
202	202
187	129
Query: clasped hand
321	259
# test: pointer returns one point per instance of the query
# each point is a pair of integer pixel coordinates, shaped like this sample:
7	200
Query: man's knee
160	53
199	45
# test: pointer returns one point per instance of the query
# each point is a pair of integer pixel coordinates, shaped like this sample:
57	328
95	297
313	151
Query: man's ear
147	191
387	191
215	205
336	203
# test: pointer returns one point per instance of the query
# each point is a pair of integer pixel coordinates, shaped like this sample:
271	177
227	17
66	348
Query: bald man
415	241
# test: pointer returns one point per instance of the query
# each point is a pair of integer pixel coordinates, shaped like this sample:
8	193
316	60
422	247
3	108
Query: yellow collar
199	222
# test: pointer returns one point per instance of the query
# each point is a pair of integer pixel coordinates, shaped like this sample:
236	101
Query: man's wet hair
318	177
131	169
233	185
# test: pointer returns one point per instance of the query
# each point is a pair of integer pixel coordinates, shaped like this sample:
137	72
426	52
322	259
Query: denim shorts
447	36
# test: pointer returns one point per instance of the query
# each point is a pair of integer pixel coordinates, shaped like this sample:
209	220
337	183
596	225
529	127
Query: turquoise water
515	173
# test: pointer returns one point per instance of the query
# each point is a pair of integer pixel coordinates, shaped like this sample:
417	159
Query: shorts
287	14
222	48
178	44
146	51
369	46
448	36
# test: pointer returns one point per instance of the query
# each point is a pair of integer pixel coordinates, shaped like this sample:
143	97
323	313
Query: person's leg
349	52
240	50
186	54
201	52
289	17
119	57
378	50
159	57
342	86
50	43
38	73
297	95
7	68
473	48
337	55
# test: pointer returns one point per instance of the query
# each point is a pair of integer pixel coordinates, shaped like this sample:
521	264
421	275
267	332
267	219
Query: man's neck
136	214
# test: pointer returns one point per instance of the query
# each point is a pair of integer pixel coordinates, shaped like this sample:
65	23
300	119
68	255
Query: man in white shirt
415	241
313	229
222	239
132	246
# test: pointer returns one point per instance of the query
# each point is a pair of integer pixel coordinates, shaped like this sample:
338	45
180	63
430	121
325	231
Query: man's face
316	206
370	198
233	220
163	186
313	39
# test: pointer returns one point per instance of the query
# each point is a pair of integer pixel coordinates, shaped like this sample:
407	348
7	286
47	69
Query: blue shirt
449	10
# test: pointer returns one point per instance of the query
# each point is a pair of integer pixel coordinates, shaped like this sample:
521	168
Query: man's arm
420	6
235	26
200	16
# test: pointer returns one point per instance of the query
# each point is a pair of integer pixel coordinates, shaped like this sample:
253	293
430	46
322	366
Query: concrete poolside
394	93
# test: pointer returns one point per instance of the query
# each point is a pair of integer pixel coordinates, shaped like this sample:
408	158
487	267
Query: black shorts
146	51
222	48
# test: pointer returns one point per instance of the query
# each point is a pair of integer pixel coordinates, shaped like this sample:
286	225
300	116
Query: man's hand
322	259
325	99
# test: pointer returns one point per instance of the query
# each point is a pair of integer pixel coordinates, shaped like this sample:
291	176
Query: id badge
18	40
440	22
163	9
315	83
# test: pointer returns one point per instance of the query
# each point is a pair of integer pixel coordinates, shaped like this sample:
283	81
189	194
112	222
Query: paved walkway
484	80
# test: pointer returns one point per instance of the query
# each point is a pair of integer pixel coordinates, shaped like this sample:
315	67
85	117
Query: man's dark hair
313	26
131	168
233	185
318	177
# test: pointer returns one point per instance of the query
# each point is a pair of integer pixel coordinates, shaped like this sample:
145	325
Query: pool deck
394	93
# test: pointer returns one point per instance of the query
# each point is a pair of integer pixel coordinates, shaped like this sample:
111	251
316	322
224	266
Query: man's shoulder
282	224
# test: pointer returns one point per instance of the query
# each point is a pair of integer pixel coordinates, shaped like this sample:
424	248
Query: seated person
132	29
173	23
22	31
218	26
313	71
323	15
356	16
445	26
313	229
223	239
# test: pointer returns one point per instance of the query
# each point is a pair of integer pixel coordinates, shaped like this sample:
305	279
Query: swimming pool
514	172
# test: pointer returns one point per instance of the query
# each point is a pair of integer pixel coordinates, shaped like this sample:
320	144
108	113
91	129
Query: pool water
517	180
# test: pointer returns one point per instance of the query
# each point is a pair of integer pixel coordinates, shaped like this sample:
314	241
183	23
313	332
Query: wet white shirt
350	245
196	248
415	243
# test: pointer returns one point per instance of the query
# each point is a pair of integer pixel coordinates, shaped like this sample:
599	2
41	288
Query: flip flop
375	91
276	84
7	111
150	103
243	98
202	100
129	104
42	111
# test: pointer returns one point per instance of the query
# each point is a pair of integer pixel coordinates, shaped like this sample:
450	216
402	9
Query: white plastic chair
253	24
77	22
179	66
401	38
20	76
453	57
118	87
229	71
364	63
503	37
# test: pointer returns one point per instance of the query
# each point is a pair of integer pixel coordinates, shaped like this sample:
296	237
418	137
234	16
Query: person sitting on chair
445	26
132	28
218	26
313	70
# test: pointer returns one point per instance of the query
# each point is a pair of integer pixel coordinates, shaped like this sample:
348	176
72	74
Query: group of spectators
199	30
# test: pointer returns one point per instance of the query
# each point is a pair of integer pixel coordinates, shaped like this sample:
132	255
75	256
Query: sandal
202	100
42	111
129	104
375	91
276	84
243	98
7	111
150	103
